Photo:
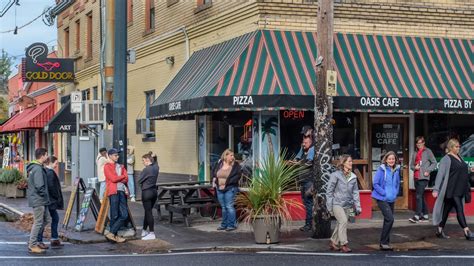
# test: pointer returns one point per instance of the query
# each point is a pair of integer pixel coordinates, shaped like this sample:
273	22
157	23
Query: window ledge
202	7
88	59
129	24
149	139
148	32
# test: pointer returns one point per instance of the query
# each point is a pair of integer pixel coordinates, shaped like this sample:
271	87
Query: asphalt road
259	258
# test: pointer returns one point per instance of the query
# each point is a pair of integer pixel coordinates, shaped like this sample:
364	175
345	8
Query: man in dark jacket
55	202
306	180
38	198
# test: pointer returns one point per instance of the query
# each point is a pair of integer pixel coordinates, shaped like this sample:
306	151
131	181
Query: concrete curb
11	213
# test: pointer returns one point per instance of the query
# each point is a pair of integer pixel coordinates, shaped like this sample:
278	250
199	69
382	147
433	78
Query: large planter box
430	201
12	192
2	189
298	214
366	204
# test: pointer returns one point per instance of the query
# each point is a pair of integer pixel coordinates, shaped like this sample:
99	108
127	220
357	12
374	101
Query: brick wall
176	140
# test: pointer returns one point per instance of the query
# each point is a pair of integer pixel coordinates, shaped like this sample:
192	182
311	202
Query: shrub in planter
263	205
12	178
2	184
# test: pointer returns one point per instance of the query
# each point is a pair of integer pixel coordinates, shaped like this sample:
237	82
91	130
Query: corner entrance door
390	134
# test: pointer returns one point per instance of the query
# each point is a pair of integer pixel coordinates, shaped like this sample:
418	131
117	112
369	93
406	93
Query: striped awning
30	118
404	74
274	70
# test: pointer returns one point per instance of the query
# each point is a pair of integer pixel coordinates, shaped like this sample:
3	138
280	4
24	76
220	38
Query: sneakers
385	247
42	245
56	244
232	228
36	250
144	233
149	236
415	219
221	228
306	228
133	199
425	218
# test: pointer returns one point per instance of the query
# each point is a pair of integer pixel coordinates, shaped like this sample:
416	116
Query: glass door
390	134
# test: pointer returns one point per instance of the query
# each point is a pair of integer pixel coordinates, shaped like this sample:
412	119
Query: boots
56	244
36	250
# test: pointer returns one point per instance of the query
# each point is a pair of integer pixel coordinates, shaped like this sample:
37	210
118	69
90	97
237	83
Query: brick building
397	61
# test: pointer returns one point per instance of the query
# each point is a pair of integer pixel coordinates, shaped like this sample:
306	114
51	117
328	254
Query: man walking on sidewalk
116	179
38	199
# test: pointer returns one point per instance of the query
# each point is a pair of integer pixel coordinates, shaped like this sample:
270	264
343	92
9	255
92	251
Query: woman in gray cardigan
452	189
342	202
422	163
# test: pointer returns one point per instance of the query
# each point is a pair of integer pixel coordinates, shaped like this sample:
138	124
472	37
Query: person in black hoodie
225	179
147	180
55	201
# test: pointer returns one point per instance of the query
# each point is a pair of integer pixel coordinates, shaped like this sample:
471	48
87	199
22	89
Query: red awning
30	118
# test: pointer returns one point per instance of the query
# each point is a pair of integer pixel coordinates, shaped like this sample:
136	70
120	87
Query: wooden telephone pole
323	118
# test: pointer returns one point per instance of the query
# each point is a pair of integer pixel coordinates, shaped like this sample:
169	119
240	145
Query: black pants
307	201
455	202
387	212
421	207
148	199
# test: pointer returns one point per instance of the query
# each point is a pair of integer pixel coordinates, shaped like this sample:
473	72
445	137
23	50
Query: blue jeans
131	185
102	190
54	226
308	202
118	211
226	199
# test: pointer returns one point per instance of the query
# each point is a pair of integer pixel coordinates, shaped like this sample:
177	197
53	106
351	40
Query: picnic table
181	197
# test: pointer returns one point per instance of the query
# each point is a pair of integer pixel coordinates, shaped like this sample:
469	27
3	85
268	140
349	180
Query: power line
26	24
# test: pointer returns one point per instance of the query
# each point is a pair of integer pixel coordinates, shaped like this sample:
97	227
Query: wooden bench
185	209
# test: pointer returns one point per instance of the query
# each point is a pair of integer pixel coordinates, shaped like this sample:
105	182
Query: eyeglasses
419	143
457	146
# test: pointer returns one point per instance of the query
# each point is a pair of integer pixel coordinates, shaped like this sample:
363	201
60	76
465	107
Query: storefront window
439	128
291	124
219	140
346	134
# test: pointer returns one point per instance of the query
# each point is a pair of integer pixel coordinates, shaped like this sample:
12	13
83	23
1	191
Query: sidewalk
363	235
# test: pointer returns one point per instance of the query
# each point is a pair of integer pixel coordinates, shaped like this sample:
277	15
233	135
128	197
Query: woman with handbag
343	202
452	188
386	185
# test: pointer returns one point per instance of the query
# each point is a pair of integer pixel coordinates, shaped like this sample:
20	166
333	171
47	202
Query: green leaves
265	194
10	176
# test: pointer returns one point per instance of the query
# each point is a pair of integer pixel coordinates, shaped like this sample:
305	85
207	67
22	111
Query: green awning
274	70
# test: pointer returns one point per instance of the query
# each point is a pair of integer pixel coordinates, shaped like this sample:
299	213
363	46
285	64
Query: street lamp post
323	118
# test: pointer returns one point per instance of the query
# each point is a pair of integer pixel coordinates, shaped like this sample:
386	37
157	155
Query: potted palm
262	205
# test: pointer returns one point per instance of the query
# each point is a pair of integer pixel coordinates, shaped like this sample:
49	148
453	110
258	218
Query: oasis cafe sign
38	68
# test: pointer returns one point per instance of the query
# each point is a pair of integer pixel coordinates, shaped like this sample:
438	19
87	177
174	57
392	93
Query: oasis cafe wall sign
38	68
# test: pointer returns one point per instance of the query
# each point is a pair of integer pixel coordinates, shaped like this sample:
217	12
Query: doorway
390	134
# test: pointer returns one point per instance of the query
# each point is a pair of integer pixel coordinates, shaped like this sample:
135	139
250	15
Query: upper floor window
202	4
86	94
149	15
95	93
89	35
129	11
66	43
78	35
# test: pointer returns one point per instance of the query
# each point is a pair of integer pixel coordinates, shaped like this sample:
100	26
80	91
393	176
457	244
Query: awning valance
30	118
63	121
274	70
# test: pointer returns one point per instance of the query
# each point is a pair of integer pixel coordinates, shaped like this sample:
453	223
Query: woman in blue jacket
386	184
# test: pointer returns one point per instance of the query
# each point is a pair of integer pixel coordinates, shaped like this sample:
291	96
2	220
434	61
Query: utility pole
323	118
120	80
